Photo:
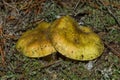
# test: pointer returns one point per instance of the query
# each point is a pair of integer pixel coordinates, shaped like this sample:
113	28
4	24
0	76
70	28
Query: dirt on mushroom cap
35	43
74	42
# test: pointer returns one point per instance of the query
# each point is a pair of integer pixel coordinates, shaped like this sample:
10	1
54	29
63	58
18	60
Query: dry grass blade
100	3
3	38
112	49
50	64
109	46
76	5
35	5
2	41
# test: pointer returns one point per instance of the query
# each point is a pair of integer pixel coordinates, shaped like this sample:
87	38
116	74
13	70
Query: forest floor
17	16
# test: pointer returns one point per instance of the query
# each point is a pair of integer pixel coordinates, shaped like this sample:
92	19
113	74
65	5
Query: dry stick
38	21
77	4
99	2
112	49
5	3
2	55
1	46
110	12
74	13
50	64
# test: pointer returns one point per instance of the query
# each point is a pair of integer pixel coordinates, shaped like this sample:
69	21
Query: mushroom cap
74	42
35	43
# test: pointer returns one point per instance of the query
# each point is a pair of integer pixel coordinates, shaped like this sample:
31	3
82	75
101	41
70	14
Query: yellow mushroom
35	43
74	42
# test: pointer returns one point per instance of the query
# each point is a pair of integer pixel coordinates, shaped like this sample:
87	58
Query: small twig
115	18
112	49
100	3
77	4
37	21
5	3
2	41
3	38
50	64
2	55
